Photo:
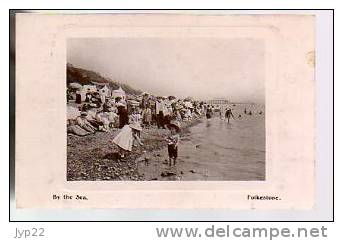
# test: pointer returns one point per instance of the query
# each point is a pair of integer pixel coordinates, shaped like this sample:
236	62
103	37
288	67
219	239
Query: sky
204	68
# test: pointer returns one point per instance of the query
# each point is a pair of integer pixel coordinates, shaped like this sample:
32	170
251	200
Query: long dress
123	138
147	115
123	116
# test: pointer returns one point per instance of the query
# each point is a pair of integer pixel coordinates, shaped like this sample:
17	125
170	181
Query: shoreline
95	157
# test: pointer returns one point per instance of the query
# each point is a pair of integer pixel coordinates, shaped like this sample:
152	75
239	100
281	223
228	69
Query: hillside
83	76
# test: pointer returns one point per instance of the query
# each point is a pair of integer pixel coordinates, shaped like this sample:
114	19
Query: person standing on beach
78	97
228	115
166	109
126	137
173	141
208	112
177	115
221	112
147	116
159	113
122	112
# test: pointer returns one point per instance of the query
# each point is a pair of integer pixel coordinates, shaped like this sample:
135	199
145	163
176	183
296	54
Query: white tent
75	85
119	93
89	88
105	91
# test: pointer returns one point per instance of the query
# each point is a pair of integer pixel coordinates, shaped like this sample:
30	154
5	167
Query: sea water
217	150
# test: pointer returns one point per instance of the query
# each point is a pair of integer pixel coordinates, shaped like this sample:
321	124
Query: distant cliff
83	76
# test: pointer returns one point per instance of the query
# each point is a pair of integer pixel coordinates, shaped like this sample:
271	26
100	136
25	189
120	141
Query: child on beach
127	137
228	115
208	112
173	142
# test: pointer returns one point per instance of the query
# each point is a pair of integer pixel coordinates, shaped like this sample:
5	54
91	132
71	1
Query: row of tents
103	89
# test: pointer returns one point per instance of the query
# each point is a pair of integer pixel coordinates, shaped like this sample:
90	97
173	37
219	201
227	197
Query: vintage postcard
165	111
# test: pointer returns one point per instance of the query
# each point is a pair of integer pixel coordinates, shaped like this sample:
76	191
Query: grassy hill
84	76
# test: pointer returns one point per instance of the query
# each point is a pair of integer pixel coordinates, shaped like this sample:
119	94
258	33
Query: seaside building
218	102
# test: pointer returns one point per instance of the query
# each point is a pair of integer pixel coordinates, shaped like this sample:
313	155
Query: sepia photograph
165	109
183	110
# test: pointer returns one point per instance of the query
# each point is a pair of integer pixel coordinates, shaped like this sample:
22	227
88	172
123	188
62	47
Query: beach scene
165	110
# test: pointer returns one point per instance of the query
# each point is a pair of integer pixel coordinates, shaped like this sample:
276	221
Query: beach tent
87	89
119	93
105	91
75	85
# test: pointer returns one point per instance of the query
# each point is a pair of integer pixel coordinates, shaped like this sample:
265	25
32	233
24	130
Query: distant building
217	102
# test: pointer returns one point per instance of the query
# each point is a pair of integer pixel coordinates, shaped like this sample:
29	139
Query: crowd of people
128	116
92	115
